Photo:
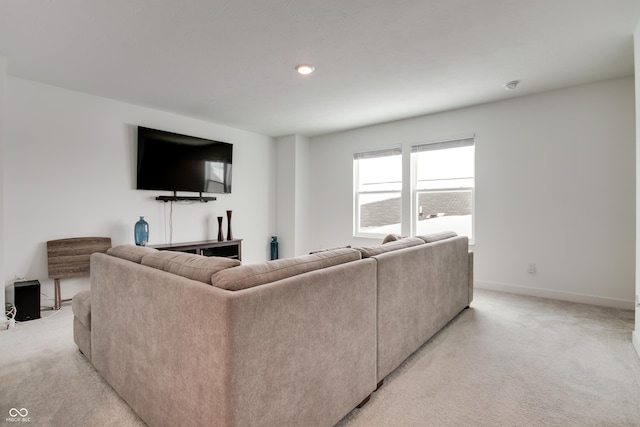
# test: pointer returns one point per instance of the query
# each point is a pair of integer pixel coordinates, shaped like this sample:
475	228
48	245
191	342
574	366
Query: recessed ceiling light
512	85
305	69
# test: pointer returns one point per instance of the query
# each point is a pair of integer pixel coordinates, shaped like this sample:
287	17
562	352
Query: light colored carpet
42	371
507	361
516	361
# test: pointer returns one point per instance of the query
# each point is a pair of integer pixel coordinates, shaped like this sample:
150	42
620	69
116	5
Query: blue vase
141	232
274	247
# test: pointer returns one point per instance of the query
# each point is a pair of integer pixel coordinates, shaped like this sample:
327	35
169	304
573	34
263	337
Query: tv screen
174	162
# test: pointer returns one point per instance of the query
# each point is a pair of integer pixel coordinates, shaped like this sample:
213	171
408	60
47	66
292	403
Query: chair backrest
70	257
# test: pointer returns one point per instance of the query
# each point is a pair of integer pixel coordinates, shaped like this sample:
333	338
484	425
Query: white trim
557	295
449	138
635	338
355	196
372	154
443	145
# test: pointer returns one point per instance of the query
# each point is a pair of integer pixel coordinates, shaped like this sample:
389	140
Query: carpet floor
509	360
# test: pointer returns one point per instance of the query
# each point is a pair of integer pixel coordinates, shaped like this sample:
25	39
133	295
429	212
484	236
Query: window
439	191
443	187
378	189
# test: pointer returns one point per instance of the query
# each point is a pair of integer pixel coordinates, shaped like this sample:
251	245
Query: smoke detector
512	85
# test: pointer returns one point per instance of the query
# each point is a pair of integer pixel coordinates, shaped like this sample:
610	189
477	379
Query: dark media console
225	248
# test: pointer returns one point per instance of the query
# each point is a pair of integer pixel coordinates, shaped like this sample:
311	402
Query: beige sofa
189	340
422	283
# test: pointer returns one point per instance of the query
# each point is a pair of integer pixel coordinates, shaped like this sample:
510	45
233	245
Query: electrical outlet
532	268
638	300
20	276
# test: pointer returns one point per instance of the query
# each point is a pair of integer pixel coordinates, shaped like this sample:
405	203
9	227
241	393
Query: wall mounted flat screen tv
174	162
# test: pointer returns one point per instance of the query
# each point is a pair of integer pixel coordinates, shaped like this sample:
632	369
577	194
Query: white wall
3	96
292	195
303	196
555	185
70	172
285	198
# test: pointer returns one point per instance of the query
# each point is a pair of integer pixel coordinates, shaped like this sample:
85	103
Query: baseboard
559	295
635	338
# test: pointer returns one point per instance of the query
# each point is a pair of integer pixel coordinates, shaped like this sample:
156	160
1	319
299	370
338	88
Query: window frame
415	192
384	152
409	193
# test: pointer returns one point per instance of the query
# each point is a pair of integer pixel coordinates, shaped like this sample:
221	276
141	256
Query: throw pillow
391	238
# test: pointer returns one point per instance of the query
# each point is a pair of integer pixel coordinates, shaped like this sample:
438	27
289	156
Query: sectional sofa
189	340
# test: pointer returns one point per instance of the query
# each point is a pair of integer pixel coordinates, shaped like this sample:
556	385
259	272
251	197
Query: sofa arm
161	341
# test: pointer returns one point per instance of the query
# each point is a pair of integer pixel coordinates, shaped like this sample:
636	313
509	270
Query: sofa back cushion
131	252
250	275
191	266
407	242
329	249
434	237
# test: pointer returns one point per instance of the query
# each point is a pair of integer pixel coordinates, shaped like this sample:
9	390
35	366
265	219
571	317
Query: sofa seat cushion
191	266
434	237
250	275
131	252
407	242
81	307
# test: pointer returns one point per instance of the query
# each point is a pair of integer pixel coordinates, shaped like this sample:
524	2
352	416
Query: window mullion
406	226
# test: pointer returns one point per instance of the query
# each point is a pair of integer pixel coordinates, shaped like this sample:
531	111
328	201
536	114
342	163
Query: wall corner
3	114
636	51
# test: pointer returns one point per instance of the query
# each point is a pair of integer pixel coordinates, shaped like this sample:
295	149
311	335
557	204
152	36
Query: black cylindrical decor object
220	236
229	235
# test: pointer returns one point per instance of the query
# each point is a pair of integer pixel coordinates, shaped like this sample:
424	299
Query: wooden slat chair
70	258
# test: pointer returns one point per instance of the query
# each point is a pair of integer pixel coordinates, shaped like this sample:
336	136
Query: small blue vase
141	232
274	247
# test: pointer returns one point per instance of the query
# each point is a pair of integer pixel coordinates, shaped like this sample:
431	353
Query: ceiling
232	62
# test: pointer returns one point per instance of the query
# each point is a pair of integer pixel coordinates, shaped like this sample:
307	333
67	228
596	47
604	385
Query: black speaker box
27	300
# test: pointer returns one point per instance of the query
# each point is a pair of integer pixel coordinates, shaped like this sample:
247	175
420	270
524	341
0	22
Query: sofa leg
364	402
